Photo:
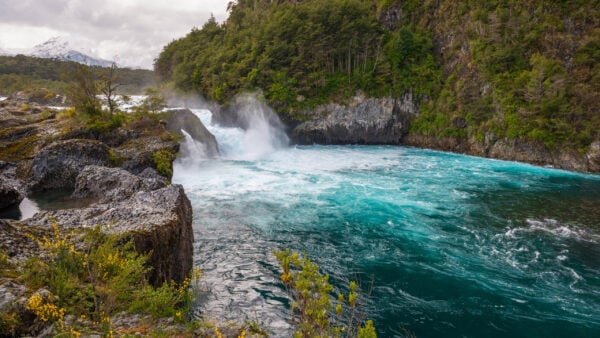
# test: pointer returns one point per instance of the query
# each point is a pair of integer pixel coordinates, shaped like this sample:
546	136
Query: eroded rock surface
57	165
11	190
159	221
363	121
106	184
184	119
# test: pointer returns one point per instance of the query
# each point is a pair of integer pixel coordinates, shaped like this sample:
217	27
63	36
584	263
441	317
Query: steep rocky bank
362	121
114	174
387	121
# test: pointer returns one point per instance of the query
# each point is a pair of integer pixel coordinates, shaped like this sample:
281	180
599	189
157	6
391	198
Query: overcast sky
132	30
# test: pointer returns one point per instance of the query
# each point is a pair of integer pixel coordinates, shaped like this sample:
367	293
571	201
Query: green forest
22	72
517	69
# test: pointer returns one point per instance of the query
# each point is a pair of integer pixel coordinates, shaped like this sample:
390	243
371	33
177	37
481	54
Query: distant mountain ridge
59	49
4	52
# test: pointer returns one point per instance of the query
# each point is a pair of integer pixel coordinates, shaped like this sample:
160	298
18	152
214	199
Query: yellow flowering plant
97	278
311	305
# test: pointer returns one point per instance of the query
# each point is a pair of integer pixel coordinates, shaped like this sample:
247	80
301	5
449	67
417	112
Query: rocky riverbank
387	121
123	174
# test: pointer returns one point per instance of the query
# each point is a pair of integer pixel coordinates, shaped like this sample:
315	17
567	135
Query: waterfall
263	135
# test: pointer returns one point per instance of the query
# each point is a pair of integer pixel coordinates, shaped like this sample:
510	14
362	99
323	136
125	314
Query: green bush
101	276
311	307
163	160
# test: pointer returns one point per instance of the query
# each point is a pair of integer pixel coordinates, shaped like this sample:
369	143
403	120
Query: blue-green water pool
442	244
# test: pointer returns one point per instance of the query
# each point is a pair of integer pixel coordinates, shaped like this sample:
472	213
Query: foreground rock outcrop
115	173
362	121
159	221
106	184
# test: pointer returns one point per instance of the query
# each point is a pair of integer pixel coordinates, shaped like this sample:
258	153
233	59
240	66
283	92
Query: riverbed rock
136	155
362	121
57	165
184	119
106	184
11	190
159	222
593	157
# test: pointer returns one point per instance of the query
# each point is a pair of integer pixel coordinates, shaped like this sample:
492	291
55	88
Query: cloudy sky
133	31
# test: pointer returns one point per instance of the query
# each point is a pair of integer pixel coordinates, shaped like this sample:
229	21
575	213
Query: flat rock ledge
158	221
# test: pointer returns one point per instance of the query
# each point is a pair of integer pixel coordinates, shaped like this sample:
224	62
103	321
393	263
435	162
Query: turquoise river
443	245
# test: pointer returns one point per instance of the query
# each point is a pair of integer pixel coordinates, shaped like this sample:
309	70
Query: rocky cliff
361	121
115	173
387	121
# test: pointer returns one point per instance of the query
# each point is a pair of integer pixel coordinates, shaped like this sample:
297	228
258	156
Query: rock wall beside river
361	121
115	173
387	121
513	150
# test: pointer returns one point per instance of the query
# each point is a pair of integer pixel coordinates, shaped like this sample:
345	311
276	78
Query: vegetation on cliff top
300	54
517	69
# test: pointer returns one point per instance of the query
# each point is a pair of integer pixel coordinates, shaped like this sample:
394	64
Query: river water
443	244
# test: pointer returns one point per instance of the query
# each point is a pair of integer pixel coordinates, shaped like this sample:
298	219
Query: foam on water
451	245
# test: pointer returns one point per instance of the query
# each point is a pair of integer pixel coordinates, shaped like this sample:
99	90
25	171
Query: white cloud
135	30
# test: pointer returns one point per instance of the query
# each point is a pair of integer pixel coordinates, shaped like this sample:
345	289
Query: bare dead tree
108	86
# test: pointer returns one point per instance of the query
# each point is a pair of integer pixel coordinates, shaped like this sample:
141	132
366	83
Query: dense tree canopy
518	69
300	53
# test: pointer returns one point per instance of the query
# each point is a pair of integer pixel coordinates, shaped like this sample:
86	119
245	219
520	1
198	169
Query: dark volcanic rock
11	190
184	119
593	157
152	179
58	164
159	221
136	154
112	184
364	121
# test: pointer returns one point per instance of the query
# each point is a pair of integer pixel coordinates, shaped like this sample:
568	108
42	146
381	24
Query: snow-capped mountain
5	52
57	48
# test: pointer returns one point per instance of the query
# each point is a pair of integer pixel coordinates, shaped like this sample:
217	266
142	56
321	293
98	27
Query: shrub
163	160
100	277
311	308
